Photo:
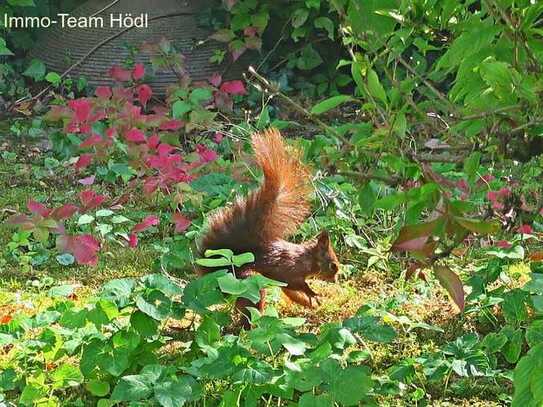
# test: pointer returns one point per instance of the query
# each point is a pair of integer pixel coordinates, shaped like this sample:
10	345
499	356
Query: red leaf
153	141
182	223
450	281
234	88
119	74
223	101
81	108
84	248
20	220
84	161
164	149
215	79
91	141
38	209
414	237
90	200
503	244
64	212
218	137
133	240
135	136
206	155
172	125
525	229
103	92
138	72
144	94
151	220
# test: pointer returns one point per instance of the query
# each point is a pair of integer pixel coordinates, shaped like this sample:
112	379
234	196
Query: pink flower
503	244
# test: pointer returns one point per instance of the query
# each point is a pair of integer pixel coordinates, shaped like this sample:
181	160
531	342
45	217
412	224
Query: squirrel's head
325	262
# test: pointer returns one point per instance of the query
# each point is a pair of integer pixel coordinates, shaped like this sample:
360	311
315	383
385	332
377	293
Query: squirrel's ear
324	239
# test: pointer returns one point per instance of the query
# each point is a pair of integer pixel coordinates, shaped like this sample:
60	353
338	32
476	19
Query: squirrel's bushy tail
269	213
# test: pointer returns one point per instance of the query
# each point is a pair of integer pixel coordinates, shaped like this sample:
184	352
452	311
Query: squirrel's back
273	211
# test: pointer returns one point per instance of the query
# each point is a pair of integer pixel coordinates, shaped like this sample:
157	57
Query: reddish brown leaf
450	281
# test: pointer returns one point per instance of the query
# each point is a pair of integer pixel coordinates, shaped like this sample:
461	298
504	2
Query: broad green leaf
374	86
98	388
330	103
180	108
326	24
450	281
471	166
478	226
66	376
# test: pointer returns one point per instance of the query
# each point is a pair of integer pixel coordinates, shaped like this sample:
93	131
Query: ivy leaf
450	281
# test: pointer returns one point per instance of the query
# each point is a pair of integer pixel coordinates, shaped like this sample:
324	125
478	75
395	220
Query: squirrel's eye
334	267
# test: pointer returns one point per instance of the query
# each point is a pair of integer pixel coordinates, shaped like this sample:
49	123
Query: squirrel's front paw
314	299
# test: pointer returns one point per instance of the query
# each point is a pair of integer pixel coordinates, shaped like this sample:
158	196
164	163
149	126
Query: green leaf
4	50
98	388
299	17
118	291
61	291
450	281
231	285
200	95
103	213
471	166
293	345
534	333
21	3
65	259
66	376
53	78
85	219
309	59
330	103
478	226
310	400
174	393
327	24
374	86
155	304
36	70
132	388
244	258
180	108
512	349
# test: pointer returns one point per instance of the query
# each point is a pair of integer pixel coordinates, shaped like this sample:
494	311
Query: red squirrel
259	223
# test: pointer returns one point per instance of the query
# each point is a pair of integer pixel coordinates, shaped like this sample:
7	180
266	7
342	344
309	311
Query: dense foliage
422	121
